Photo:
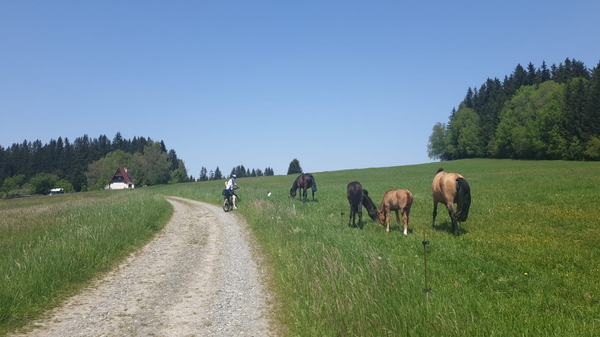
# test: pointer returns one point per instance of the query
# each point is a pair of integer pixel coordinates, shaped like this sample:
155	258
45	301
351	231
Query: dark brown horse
450	189
395	200
359	197
304	182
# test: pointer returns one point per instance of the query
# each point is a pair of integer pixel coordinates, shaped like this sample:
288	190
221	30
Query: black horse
359	197
304	182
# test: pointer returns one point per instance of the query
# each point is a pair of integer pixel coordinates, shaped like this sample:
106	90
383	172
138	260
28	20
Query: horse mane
439	170
369	202
463	199
295	184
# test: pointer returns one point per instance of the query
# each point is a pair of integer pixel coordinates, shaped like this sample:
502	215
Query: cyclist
229	185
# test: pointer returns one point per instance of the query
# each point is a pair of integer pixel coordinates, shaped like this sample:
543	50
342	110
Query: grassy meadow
51	246
527	262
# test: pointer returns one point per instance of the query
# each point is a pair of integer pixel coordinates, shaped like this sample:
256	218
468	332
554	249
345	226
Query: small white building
121	180
57	191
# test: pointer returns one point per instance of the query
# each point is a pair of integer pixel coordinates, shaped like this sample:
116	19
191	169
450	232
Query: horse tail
313	183
463	200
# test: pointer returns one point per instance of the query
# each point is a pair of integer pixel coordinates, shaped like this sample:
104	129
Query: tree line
89	163
535	113
240	171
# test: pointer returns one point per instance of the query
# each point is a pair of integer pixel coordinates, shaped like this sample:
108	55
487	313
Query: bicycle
227	202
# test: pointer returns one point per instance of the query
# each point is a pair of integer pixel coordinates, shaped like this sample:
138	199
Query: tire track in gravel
196	278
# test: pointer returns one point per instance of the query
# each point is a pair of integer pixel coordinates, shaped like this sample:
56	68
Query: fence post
425	243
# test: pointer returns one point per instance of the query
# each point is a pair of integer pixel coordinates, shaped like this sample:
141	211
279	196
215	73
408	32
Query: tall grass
51	246
527	262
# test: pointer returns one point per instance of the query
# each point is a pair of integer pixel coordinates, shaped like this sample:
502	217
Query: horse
450	189
395	200
304	182
359	197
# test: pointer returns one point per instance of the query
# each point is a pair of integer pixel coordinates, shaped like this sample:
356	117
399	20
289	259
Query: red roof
122	175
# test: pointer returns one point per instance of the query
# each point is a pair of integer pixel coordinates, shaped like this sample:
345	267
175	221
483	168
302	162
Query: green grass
527	262
51	246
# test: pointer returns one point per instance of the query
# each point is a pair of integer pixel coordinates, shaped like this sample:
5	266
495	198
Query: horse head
373	213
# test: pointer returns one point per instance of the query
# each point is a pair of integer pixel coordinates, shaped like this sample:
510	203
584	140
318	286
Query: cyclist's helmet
233	176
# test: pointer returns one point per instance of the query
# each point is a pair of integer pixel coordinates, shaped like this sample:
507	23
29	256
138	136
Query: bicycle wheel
227	205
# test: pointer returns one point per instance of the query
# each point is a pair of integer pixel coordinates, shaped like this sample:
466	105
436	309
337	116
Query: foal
395	200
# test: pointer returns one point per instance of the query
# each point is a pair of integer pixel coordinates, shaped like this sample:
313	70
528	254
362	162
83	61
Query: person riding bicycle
229	185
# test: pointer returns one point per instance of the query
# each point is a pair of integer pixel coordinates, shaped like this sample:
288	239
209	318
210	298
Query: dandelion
526	274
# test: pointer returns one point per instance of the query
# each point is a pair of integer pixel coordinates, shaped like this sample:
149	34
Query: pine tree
592	108
294	167
217	175
203	174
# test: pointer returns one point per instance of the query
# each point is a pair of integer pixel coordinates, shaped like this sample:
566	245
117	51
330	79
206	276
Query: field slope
527	262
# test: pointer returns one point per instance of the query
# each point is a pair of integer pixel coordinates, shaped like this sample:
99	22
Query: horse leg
454	219
405	220
435	204
360	222
388	219
397	219
351	219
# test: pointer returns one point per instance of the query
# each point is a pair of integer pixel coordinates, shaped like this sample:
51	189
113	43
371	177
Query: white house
121	180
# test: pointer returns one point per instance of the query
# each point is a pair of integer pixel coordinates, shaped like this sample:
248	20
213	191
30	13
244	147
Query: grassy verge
51	246
527	262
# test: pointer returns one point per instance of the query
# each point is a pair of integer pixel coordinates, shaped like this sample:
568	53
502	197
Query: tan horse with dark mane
395	200
450	189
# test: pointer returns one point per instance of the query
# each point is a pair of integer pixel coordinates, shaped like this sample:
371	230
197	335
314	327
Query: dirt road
198	277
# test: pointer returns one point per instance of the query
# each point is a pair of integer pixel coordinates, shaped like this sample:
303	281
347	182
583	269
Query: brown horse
304	182
395	200
359	197
450	189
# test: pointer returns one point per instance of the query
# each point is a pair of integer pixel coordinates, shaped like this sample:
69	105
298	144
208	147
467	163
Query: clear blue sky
334	84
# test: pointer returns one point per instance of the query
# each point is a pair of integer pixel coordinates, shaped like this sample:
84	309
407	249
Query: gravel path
198	277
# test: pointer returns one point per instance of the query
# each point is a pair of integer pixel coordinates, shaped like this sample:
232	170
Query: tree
203	174
152	166
43	182
592	149
529	123
463	137
100	172
436	147
217	175
592	107
179	175
173	160
14	185
294	167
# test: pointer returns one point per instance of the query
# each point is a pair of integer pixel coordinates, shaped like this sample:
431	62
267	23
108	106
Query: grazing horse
304	182
395	200
450	189
359	197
